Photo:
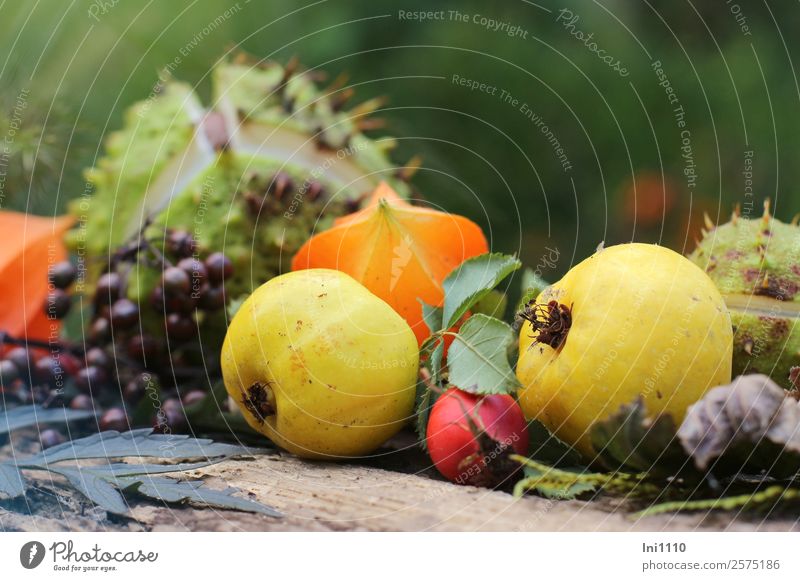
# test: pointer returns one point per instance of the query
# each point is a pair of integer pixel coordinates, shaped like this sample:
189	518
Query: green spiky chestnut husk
273	158
755	263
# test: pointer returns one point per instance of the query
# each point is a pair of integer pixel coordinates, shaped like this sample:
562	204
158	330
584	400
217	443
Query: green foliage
478	358
548	449
763	500
628	439
564	484
472	281
747	427
432	316
550	485
494	304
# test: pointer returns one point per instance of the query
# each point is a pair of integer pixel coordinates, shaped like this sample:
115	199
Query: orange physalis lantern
30	246
400	252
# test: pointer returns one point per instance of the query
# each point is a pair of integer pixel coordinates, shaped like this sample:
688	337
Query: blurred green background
77	66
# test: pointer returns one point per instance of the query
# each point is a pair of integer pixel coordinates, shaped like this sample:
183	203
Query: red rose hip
470	437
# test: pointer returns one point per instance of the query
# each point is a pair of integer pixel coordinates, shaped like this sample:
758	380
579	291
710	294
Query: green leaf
765	500
423	413
33	415
426	396
546	447
629	439
556	483
494	304
550	486
437	358
140	443
193	491
12	484
478	358
425	403
471	281
432	316
564	483
95	488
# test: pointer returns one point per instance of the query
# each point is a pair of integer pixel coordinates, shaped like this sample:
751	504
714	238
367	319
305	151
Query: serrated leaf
193	491
95	488
423	413
478	358
471	281
437	360
748	425
100	483
432	316
136	443
32	415
551	487
556	483
121	469
764	500
12	484
629	439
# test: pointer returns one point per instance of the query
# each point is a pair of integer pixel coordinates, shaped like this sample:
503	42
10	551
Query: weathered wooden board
347	497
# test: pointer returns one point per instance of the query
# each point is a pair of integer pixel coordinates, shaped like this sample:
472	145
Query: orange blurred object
400	252
31	244
649	198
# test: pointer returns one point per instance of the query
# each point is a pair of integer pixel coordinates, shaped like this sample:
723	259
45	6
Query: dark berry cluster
158	351
139	361
189	286
33	375
60	278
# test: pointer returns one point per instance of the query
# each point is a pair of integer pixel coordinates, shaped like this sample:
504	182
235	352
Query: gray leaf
749	425
95	488
122	469
32	415
11	482
169	490
137	443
